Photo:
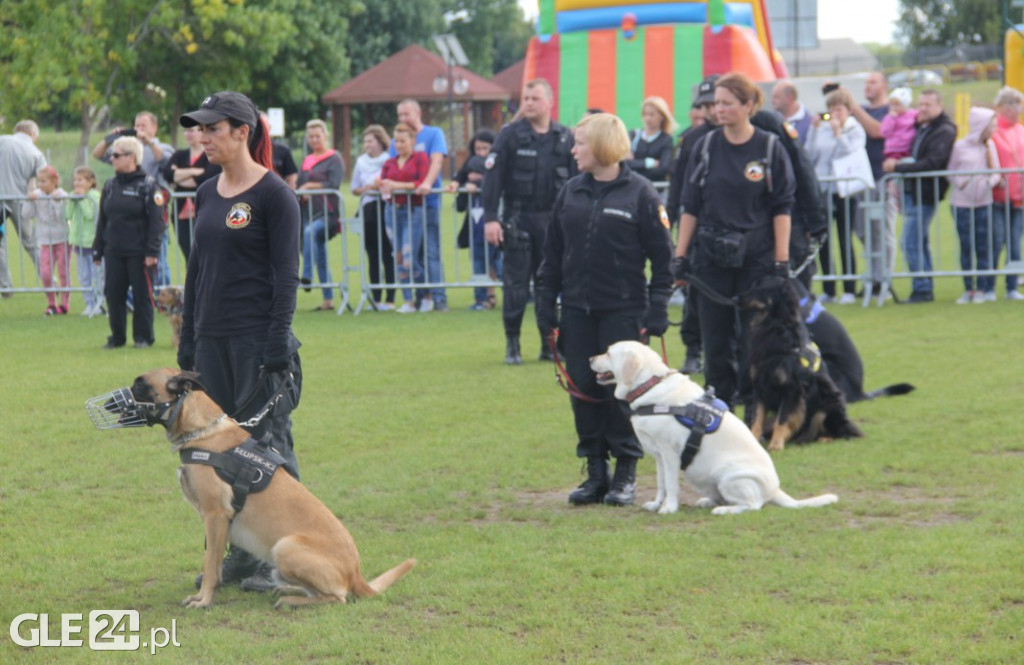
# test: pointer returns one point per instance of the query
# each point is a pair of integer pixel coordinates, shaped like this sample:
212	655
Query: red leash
564	380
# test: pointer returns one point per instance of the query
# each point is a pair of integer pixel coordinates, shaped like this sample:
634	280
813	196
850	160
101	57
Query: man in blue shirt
430	140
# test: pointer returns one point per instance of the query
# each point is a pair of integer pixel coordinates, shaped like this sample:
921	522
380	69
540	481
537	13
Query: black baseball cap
706	90
221	105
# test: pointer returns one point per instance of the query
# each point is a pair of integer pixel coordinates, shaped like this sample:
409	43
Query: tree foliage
949	22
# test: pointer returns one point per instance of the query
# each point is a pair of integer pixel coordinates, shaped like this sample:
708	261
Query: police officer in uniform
530	162
737	198
607	224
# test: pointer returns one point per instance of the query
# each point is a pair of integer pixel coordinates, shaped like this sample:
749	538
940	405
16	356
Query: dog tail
786	501
890	391
380	583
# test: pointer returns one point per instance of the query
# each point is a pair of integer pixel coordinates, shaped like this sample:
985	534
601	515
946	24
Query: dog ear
183	382
630	368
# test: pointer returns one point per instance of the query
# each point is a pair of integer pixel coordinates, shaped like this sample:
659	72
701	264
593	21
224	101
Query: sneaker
427	305
477	307
990	296
407	308
385	307
979	298
967	297
50	311
441	307
1014	295
61	309
825	299
847	299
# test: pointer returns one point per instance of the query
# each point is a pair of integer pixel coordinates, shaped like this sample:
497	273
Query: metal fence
877	236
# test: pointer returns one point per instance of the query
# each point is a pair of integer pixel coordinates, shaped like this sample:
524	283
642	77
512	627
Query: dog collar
645	386
192	436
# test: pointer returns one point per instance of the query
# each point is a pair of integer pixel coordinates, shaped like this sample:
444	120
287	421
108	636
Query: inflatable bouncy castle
611	54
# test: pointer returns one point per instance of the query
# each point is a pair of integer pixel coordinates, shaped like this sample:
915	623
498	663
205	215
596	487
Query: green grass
414	432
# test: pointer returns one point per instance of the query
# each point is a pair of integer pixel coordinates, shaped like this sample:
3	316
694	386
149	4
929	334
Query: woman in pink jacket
971	198
1008	213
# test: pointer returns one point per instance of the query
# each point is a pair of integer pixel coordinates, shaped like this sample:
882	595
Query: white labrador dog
731	470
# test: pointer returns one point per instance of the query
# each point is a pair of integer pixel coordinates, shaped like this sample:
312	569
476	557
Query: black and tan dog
283	524
171	302
788	379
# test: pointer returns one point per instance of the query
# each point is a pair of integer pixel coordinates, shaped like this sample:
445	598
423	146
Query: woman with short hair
129	232
607	225
828	140
321	218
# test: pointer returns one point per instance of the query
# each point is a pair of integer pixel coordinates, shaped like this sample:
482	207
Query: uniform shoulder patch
491	159
663	216
159	197
791	130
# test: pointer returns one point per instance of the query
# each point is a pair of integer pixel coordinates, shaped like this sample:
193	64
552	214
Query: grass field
413	431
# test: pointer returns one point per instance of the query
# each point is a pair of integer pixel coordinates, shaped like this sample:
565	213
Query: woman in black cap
240	288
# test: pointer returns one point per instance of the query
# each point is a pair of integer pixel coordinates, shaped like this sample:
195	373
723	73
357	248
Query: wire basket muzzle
115	410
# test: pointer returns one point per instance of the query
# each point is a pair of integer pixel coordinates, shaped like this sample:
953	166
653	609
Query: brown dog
171	302
283	524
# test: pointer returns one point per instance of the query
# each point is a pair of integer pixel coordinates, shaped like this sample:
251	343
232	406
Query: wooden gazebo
410	74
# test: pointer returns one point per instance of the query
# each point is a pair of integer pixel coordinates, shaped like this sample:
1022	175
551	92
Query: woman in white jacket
834	135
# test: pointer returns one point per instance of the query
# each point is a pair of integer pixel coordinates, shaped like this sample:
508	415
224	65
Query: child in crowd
971	198
45	206
81	215
485	256
900	126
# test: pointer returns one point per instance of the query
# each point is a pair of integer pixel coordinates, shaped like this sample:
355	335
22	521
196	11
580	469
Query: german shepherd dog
787	376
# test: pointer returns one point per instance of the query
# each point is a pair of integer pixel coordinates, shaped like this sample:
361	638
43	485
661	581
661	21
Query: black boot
692	364
262	579
237	565
623	489
512	354
594	487
546	354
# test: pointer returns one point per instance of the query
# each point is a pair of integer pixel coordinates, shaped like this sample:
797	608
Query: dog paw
197	601
652	505
705	502
668	508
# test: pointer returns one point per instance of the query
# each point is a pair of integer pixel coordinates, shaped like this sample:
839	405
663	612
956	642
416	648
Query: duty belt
248	468
701	416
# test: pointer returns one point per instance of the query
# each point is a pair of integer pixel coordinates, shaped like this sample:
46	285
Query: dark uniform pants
603	427
690	328
724	331
522	254
122	272
229	368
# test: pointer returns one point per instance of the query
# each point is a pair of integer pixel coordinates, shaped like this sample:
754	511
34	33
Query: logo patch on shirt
491	159
624	214
663	216
239	216
159	198
754	171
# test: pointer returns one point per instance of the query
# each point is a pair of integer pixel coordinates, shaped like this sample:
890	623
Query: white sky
860	20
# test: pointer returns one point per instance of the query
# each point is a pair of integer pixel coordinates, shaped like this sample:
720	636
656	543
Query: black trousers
229	368
844	215
604	427
523	251
378	248
690	328
724	330
122	272
183	231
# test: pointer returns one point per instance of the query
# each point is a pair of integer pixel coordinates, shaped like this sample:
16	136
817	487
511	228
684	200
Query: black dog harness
248	468
701	416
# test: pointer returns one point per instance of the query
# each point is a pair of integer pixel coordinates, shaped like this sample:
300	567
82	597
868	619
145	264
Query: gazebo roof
410	73
511	78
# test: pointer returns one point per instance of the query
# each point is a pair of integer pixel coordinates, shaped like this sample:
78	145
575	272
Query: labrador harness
701	416
248	468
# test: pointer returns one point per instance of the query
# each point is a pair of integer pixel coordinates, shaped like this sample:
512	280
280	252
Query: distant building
831	57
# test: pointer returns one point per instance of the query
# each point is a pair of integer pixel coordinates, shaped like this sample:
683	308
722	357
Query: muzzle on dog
118	409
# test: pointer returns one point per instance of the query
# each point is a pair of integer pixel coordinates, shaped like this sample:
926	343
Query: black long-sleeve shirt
131	220
660	149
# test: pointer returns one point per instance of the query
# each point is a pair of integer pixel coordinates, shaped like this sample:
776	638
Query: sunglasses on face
115	155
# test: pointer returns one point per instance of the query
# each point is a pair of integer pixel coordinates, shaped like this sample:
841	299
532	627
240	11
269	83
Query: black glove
780	269
547	313
276	357
656	321
186	360
279	364
681	268
819	238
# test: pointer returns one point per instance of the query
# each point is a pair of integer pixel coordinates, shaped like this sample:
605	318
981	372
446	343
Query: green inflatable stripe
629	78
689	61
572	77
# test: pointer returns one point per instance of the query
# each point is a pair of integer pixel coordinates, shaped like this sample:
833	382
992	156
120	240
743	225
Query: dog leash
566	382
271	403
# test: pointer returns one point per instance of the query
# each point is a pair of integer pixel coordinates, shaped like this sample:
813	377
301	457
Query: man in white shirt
20	160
